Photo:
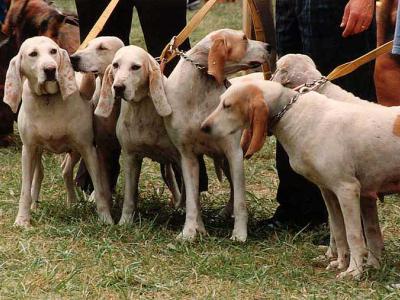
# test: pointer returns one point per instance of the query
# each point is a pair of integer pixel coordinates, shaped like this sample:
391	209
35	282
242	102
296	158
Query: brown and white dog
193	93
336	145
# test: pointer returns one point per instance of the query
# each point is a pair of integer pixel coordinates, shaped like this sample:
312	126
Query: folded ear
106	101
245	140
258	115
66	76
216	59
13	84
156	88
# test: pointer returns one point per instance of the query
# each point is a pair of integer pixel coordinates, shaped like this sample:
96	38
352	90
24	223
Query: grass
69	255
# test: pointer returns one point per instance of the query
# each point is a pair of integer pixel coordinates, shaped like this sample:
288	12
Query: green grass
68	254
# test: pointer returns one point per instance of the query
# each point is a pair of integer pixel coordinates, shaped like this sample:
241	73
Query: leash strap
349	67
99	25
169	51
259	32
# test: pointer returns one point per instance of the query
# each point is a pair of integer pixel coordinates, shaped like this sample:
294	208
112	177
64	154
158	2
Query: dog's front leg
235	158
338	247
132	166
193	220
102	193
29	156
349	199
37	180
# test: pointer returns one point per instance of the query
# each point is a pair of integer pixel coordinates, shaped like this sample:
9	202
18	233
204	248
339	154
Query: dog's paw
126	220
23	222
373	261
355	273
106	218
34	205
338	264
239	236
189	233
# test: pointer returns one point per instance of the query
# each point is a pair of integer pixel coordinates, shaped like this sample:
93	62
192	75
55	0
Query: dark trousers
160	21
312	27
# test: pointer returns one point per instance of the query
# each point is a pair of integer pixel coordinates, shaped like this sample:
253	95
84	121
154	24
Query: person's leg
119	23
161	20
300	201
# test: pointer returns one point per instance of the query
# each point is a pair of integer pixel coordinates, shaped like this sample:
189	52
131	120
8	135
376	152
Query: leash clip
172	45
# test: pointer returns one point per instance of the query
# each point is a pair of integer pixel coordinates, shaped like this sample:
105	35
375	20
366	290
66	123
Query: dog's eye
115	65
225	106
135	67
33	54
101	47
53	51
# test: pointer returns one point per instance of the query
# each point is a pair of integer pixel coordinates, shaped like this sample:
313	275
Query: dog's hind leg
29	156
133	166
68	174
338	247
373	234
37	180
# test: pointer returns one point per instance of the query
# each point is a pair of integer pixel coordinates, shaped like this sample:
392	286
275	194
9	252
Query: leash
169	51
349	67
302	89
99	25
259	33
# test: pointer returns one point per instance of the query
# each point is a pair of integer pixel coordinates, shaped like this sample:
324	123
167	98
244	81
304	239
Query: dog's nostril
206	128
75	59
268	47
50	73
119	89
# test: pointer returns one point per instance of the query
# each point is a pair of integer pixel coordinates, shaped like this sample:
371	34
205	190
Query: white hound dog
193	91
53	117
337	145
135	77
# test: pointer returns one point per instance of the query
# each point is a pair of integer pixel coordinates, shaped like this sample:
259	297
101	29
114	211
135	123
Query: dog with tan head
135	78
193	90
335	144
54	117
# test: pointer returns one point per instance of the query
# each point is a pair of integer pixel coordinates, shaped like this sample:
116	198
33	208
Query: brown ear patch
396	126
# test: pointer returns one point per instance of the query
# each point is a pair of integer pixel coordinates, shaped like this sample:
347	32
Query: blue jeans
396	41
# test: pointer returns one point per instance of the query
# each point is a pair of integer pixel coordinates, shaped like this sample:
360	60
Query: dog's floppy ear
216	59
245	140
156	88
106	101
66	76
13	84
258	115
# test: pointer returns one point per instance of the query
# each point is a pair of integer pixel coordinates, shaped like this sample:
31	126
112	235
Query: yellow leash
349	67
98	27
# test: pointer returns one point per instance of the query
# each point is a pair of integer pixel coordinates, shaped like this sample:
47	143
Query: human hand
357	16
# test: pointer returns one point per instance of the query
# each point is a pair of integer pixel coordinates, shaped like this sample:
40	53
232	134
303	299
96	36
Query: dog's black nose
268	47
119	90
75	59
206	128
50	73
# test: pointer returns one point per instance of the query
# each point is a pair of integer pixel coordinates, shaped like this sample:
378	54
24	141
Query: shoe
192	4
